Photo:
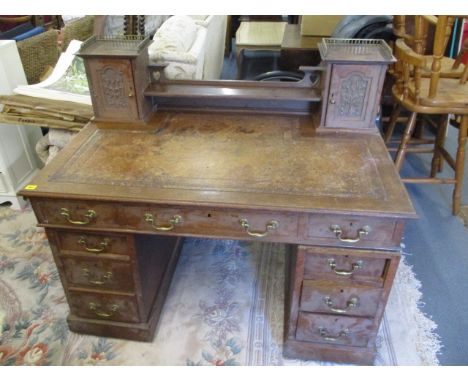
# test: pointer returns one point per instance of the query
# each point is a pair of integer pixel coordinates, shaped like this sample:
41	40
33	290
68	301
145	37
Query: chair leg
400	156
392	122
419	128
460	165
437	159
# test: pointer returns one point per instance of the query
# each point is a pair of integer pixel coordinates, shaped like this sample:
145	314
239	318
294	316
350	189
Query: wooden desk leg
460	165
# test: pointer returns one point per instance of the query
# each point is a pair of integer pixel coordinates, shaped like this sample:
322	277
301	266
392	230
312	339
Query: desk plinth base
121	330
329	353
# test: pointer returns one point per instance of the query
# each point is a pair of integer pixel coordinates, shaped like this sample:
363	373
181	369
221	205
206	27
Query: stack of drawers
114	287
338	296
116	268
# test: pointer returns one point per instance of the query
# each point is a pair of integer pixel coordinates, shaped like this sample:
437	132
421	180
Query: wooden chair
418	33
431	95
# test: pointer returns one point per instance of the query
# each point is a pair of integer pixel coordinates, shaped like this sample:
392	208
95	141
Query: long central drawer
289	227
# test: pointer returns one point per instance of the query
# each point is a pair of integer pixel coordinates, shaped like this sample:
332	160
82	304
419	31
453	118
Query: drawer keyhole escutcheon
176	219
102	245
354	267
107	277
352	303
270	226
327	337
89	216
96	309
361	232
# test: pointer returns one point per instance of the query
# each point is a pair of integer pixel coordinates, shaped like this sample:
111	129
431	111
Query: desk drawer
331	297
104	306
98	273
78	214
341	265
241	224
347	231
345	265
214	222
339	330
93	244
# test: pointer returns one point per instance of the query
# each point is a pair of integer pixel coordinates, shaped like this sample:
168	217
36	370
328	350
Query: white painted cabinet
18	161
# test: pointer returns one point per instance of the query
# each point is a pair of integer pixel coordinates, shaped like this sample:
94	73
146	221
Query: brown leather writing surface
239	159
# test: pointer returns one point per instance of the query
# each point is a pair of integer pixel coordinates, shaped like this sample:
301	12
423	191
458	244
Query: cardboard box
319	25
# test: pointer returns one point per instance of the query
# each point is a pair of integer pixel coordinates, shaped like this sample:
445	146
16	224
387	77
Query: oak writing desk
117	201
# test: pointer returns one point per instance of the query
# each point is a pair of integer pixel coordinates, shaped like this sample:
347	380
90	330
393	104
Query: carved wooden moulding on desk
225	159
355	75
117	73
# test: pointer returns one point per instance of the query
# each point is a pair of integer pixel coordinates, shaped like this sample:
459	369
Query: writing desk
110	194
118	200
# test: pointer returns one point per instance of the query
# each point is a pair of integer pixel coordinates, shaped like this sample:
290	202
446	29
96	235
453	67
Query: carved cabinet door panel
352	96
113	90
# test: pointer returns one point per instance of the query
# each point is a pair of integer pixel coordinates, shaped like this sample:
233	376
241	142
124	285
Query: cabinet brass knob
270	226
361	232
89	216
352	303
96	309
176	219
354	267
107	277
102	245
327	337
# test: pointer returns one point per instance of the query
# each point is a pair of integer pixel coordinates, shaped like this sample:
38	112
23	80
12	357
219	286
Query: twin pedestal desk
296	163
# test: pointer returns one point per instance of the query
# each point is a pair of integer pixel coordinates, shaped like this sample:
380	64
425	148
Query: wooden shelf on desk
247	90
282	98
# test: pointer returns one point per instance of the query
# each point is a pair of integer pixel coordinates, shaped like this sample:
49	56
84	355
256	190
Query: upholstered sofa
192	46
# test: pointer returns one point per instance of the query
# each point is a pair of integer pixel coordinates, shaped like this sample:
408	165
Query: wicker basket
37	53
80	29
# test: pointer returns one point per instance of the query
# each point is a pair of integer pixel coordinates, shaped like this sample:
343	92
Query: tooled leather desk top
266	162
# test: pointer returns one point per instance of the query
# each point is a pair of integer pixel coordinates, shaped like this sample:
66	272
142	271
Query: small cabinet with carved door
117	71
353	85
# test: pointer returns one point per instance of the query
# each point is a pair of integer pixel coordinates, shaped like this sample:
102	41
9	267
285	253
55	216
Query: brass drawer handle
355	266
327	337
107	277
176	219
270	226
352	303
103	245
89	216
94	307
361	232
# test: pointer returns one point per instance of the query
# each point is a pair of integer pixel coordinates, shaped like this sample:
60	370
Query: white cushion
199	18
176	34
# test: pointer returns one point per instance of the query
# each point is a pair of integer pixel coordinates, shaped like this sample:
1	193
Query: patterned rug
225	307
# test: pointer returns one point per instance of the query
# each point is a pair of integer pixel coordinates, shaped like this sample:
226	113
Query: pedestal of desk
335	300
115	284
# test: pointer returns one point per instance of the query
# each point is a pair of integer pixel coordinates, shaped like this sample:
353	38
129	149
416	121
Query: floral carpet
224	307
